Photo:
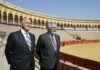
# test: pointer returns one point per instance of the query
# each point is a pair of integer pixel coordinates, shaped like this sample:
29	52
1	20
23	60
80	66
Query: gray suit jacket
48	57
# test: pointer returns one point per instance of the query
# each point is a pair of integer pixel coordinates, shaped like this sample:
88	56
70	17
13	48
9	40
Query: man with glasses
48	47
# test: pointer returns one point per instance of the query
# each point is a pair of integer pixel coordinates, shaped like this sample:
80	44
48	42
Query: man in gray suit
48	47
19	49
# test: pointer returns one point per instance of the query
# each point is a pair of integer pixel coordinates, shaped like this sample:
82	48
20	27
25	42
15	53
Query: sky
74	9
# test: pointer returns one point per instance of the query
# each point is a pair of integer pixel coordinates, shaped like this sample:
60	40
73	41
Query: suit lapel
57	41
22	39
49	41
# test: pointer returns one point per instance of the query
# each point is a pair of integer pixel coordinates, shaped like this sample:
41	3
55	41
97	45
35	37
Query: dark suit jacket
17	52
48	57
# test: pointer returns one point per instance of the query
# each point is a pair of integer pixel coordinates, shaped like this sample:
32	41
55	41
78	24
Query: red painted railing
73	42
86	63
90	64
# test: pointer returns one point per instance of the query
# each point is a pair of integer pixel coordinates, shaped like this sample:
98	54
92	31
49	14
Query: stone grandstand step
37	31
89	35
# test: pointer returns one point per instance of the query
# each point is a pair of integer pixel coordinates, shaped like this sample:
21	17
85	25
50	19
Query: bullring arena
80	38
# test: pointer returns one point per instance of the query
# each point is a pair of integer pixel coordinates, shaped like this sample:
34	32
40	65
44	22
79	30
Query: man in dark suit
19	49
48	47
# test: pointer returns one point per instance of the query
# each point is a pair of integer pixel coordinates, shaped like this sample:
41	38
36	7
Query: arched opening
77	26
99	27
21	18
89	26
86	26
0	16
95	26
43	24
58	25
35	23
69	25
4	17
16	19
10	18
39	23
65	25
30	20
83	26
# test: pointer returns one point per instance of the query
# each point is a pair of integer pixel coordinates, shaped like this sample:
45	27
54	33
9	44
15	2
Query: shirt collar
50	33
23	31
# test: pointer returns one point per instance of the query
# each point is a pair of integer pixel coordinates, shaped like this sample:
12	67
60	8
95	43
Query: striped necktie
54	43
28	40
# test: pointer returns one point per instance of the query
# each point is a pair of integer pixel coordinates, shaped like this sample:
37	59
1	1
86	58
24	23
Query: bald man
19	49
47	48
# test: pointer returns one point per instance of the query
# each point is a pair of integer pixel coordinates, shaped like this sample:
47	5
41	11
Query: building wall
11	14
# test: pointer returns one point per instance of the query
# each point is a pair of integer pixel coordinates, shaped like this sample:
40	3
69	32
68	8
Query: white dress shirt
24	33
27	37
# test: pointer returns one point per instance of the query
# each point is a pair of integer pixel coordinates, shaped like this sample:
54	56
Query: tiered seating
66	39
89	35
36	31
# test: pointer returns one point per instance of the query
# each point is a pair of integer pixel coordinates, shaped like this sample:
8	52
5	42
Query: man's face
26	24
52	29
